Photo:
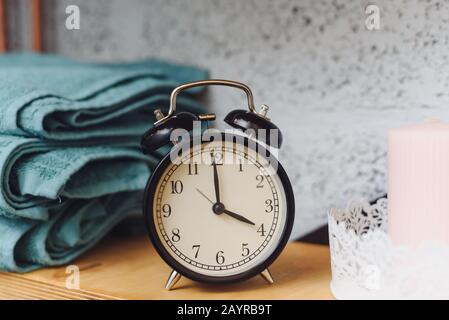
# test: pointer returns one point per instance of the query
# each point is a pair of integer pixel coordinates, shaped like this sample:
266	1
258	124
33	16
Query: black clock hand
216	183
238	217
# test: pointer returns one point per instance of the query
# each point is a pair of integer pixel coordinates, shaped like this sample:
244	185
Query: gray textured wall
313	62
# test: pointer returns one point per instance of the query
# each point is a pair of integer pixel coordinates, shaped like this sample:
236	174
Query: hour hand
238	217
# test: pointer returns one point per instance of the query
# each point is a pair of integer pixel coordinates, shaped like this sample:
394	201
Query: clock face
220	209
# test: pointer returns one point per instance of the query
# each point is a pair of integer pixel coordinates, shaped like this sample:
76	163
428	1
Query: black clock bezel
148	200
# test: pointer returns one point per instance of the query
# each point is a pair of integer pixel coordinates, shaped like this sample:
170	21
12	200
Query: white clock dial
243	232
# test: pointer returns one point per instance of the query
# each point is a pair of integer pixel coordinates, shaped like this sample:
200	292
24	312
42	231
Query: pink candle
418	188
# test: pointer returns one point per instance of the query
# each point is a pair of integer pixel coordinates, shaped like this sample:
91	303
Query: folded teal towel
68	100
26	245
70	163
56	199
37	175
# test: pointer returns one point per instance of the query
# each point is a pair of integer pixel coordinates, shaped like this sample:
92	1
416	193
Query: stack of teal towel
71	166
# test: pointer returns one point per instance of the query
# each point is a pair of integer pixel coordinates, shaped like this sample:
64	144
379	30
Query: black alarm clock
222	211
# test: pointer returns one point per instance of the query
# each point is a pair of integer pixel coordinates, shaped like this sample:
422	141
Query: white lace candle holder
367	265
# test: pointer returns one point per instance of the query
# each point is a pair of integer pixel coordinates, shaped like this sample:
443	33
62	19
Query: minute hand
238	217
216	183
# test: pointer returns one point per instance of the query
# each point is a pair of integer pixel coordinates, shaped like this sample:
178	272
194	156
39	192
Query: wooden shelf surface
129	268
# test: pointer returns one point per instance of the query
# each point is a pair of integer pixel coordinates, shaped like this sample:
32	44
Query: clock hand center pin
217	207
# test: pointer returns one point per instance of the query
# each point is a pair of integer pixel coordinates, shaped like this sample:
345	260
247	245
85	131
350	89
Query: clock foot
172	280
267	276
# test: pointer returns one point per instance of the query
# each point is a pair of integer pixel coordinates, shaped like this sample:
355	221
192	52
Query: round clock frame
149	197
